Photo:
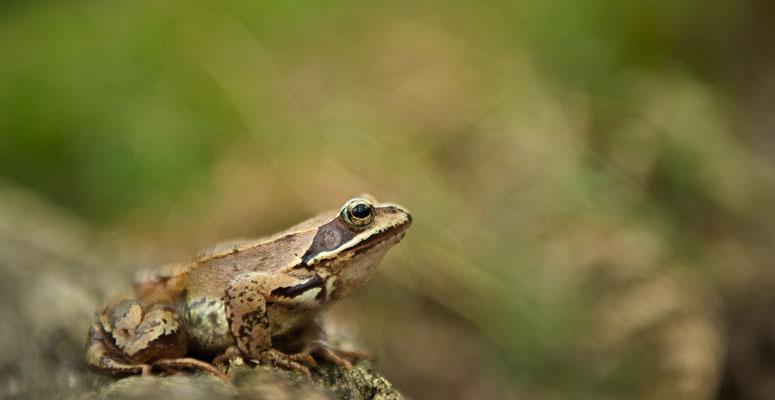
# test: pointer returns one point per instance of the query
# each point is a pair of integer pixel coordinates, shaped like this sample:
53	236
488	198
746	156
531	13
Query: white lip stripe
308	297
351	243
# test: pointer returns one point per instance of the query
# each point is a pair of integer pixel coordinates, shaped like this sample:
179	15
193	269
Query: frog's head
348	248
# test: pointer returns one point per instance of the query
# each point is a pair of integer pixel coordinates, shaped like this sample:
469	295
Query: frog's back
223	249
211	269
157	285
211	275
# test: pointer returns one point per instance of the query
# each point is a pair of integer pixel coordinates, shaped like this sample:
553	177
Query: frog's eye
357	213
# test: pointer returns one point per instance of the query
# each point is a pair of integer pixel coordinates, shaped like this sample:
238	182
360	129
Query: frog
258	301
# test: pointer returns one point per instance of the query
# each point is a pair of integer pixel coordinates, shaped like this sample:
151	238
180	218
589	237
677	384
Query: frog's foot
287	361
171	366
232	355
322	349
175	364
102	357
100	360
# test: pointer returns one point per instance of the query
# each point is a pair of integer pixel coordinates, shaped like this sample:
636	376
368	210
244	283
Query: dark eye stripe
329	237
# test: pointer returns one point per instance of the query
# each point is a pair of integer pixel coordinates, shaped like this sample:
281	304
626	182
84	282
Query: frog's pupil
361	211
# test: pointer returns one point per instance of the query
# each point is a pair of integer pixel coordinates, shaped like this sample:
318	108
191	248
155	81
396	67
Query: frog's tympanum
258	300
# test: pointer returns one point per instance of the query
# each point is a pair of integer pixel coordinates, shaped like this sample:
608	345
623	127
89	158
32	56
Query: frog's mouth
395	232
361	242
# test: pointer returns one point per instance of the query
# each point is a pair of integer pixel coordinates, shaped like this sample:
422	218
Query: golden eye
358	213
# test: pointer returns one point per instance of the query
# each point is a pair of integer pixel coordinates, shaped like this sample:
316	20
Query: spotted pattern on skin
126	332
156	325
255	319
246	315
207	324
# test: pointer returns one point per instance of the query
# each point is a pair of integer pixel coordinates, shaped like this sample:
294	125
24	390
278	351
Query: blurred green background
592	182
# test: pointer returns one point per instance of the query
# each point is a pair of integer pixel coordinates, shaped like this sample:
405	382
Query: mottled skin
254	299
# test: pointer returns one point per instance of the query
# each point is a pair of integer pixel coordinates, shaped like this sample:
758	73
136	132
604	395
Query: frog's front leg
126	340
311	338
246	311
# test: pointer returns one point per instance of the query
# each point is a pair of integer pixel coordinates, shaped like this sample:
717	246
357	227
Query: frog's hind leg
126	340
101	360
174	364
101	357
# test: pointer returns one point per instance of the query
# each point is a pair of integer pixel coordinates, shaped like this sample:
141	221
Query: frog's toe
294	365
287	361
178	363
336	356
303	356
232	355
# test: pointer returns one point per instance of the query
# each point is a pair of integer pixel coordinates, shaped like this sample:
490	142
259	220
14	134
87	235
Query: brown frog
258	300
